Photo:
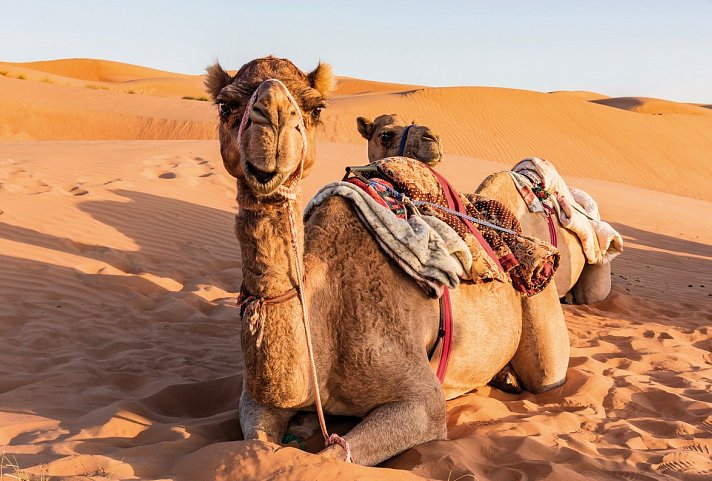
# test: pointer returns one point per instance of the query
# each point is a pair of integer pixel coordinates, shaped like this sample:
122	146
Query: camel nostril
259	116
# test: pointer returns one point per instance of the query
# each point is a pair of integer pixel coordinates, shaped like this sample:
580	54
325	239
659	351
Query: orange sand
120	358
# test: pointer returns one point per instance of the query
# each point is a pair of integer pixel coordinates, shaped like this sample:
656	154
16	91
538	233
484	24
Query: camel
371	325
577	282
385	139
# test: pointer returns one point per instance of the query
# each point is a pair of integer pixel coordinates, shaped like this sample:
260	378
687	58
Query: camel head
283	114
385	136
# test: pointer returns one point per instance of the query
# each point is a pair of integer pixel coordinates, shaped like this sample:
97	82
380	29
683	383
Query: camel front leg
392	428
542	357
265	423
593	285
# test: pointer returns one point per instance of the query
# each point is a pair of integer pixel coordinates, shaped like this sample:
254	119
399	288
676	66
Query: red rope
549	211
447	339
289	192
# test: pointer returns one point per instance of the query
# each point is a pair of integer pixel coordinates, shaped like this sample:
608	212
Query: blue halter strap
401	148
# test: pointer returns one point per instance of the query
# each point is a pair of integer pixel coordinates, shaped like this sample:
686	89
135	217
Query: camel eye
387	136
224	109
316	113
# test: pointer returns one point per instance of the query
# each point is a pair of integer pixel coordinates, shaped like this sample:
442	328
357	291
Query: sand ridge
634	140
119	271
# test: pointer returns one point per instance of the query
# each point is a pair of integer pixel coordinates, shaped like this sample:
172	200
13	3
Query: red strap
552	230
455	203
372	193
447	339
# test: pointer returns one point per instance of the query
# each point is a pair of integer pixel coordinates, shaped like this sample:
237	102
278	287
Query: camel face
283	114
385	135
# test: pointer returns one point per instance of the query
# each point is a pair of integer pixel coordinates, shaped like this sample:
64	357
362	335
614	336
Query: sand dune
580	94
31	111
645	105
583	138
97	70
354	86
106	75
119	270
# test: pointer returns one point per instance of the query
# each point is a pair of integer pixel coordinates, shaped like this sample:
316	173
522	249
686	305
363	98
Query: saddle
500	251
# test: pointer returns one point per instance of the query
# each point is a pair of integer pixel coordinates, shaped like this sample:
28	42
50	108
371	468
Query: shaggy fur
384	136
372	325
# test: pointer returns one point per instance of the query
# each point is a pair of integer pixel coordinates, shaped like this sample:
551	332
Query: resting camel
576	281
385	139
371	325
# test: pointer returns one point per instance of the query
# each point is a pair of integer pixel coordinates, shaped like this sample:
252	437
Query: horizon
638	49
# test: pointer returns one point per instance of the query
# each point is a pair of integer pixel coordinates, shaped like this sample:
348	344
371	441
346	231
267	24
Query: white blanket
576	210
428	249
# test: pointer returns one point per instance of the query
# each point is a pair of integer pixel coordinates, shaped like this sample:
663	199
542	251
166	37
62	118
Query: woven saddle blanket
499	249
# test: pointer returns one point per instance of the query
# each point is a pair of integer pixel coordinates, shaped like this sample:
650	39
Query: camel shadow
152	341
175	239
651	268
83	365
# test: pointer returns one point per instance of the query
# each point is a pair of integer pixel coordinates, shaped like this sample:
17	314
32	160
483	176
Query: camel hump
494	181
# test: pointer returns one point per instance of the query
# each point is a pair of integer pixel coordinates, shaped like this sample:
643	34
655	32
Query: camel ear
365	127
322	79
216	79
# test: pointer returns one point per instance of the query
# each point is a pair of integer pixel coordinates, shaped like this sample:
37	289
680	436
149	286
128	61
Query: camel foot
333	453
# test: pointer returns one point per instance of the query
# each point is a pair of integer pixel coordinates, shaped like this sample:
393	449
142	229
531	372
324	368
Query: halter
289	190
290	187
401	147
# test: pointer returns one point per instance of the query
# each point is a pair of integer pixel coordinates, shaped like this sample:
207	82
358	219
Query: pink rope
336	439
290	193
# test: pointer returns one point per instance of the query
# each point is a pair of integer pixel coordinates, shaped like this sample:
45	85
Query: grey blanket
425	247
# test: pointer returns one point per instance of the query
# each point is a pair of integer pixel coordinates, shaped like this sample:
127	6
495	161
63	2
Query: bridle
290	188
404	138
253	305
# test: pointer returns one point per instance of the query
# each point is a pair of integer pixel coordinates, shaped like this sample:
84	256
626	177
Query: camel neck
277	372
262	228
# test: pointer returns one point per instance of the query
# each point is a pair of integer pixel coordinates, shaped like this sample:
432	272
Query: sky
650	48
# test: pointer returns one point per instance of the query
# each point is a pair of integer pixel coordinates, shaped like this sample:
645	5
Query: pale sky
649	48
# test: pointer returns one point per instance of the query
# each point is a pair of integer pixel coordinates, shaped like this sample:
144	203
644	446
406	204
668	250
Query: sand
119	355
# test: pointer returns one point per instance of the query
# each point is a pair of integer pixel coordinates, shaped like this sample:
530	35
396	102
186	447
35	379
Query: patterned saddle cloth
494	236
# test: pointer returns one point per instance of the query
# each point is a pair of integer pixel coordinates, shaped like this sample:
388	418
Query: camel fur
371	324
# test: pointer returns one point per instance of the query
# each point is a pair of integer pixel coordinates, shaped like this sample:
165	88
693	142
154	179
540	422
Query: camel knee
392	428
265	423
542	357
593	285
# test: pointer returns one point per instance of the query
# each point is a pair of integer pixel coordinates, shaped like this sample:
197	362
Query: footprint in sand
703	446
16	180
77	190
118	182
169	168
692	465
706	425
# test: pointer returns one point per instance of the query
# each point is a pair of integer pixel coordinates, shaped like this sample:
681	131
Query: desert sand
120	357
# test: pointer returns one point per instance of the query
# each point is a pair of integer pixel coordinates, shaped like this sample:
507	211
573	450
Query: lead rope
290	194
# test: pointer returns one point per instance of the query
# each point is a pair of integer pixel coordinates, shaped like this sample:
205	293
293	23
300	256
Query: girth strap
454	203
444	333
550	212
